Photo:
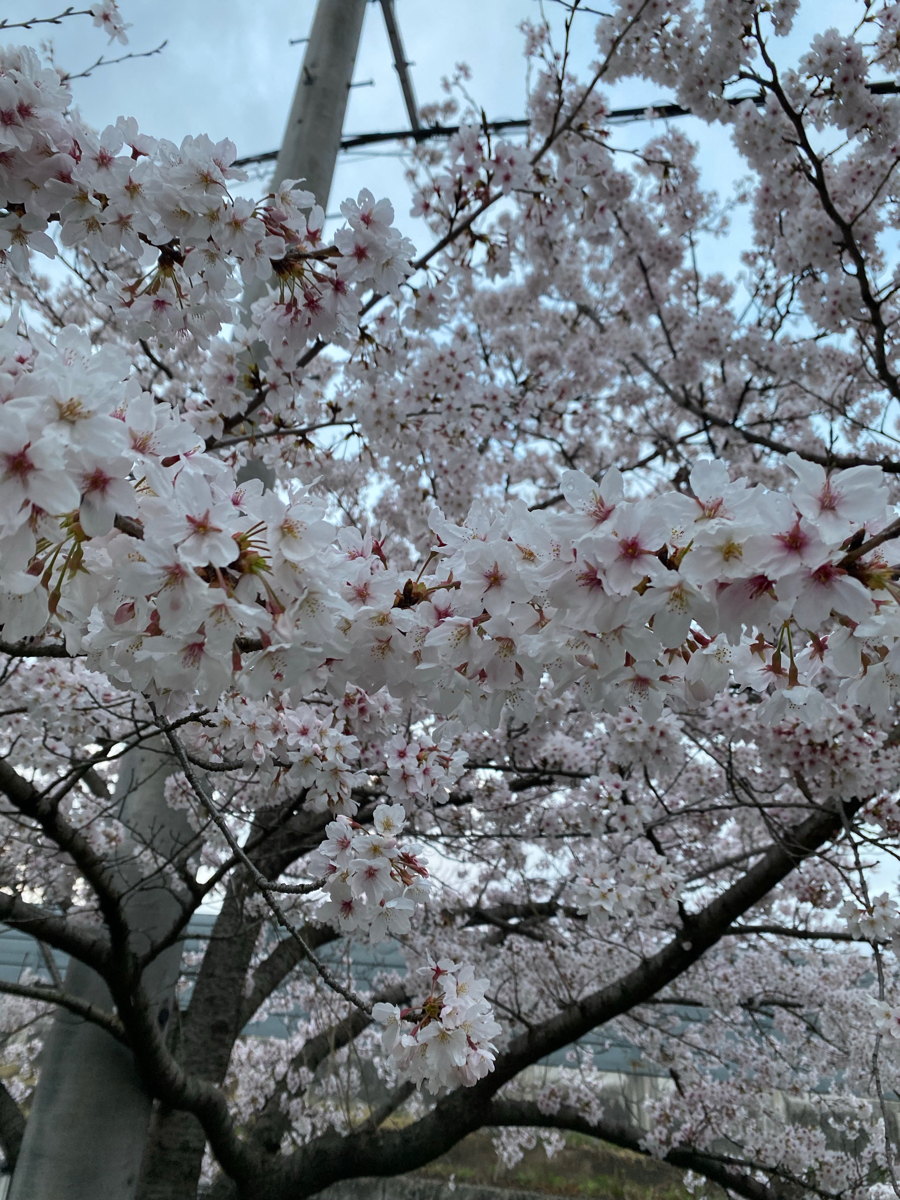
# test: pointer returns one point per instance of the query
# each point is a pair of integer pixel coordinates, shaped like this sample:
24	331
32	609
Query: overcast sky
229	70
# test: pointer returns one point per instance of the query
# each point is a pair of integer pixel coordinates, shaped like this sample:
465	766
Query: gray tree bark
219	1009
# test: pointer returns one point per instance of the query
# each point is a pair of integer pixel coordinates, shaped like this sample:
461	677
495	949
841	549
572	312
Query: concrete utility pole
84	1137
312	138
87	1129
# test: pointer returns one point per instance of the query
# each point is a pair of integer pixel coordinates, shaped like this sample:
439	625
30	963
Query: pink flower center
795	540
203	525
192	656
600	510
712	508
19	464
631	548
758	586
494	577
825	575
590	579
96	481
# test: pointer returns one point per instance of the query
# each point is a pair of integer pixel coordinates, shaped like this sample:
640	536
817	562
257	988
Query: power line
430	132
397	135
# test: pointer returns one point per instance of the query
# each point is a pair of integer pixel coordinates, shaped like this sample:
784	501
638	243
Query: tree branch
889	465
809	935
272	972
274	1119
91	948
52	995
712	1166
29	650
45	811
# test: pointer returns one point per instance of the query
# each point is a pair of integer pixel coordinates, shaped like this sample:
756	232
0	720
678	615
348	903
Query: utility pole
312	137
401	65
84	1137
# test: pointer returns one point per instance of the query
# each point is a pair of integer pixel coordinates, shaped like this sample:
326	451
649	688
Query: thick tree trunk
174	1148
12	1128
218	1012
84	1138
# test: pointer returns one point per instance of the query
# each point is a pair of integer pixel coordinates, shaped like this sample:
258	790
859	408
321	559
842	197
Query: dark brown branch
52	995
886	535
714	1167
129	525
817	178
91	947
57	20
30	650
273	971
46	812
889	465
808	935
102	61
273	1121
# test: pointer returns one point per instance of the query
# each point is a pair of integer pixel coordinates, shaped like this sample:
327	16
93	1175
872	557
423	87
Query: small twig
264	884
142	342
892	531
50	964
129	525
228	764
111	62
57	20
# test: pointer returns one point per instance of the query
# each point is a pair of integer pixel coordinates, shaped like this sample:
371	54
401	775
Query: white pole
312	136
84	1137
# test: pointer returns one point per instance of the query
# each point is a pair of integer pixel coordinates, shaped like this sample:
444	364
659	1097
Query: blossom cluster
887	1018
633	883
143	551
417	770
308	750
446	1040
372	881
471	167
876	921
546	637
171	236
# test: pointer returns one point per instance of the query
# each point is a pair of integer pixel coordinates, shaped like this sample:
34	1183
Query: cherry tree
562	653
